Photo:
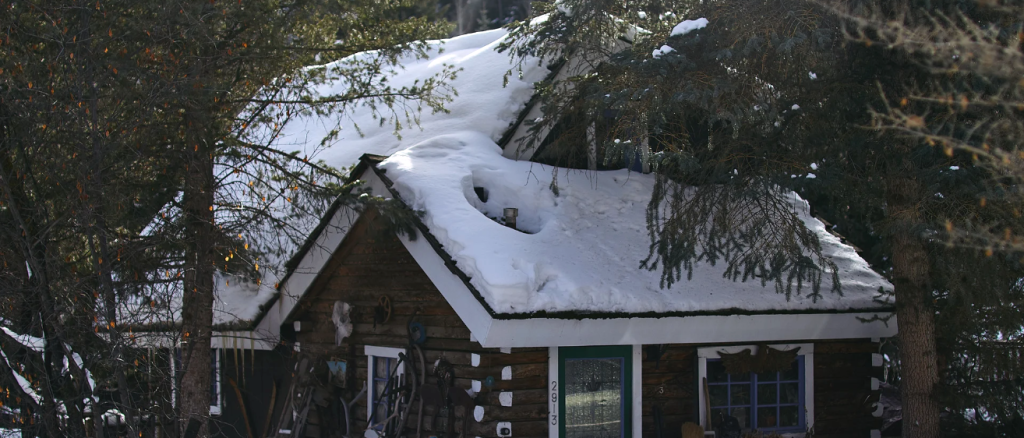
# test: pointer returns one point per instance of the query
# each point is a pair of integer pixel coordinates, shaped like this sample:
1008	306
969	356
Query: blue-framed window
382	364
383	368
771	401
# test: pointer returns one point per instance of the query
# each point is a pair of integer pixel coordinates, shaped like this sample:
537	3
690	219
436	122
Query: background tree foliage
848	104
135	165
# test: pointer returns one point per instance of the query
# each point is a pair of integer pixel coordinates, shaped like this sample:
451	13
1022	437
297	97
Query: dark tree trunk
197	302
915	316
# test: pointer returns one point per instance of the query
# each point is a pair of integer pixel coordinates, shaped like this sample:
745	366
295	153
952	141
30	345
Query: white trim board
297	285
806	350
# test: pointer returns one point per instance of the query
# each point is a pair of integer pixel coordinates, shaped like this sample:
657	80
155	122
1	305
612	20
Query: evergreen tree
133	157
768	97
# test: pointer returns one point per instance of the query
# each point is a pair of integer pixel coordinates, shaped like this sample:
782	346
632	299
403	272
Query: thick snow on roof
483	104
585	244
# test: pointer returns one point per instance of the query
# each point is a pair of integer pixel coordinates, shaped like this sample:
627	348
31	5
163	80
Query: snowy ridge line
452	265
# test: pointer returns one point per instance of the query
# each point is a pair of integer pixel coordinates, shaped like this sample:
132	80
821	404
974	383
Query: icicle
252	351
234	350
243	364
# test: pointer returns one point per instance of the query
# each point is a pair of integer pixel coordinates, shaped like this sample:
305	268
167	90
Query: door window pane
593	398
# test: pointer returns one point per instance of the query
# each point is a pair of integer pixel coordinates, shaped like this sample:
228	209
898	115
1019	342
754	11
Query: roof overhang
499	330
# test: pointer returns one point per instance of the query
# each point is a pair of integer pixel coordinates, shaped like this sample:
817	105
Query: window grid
379	386
758	398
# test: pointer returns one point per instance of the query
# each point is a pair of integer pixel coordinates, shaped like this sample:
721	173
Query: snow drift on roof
483	104
585	244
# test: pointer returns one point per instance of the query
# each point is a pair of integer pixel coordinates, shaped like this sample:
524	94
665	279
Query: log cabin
516	305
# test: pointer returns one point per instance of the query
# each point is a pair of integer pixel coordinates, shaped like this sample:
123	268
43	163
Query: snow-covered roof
582	247
482	104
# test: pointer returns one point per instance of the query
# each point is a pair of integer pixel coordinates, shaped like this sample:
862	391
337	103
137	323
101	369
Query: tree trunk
914	314
197	302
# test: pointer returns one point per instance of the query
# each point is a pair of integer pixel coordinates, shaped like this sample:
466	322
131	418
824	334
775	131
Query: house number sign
554	403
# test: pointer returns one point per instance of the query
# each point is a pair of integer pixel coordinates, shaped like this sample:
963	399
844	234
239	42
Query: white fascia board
316	257
455	292
699	329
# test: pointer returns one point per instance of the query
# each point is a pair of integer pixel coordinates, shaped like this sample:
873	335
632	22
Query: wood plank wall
371	264
843	399
669	383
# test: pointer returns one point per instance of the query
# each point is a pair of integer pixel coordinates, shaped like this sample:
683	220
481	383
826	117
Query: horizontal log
825	348
515	358
520	396
674	391
668	407
516	412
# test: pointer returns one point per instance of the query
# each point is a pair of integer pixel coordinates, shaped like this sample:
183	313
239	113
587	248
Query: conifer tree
134	154
767	97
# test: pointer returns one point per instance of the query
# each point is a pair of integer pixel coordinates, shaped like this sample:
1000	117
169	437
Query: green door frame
625	352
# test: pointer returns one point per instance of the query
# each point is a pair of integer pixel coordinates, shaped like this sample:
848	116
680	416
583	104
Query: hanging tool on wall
382	313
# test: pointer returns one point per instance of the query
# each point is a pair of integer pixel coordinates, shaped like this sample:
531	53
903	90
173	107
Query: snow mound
688	26
584	245
483	104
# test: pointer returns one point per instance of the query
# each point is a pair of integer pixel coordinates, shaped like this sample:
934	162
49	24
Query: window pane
380	365
767	393
789	416
793	373
766	417
790	393
740	394
745	377
717	415
767	377
719	395
593	398
716	371
743	415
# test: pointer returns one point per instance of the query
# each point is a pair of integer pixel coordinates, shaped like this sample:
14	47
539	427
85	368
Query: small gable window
777	399
384	377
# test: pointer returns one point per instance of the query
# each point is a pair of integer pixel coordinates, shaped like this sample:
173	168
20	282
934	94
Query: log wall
370	265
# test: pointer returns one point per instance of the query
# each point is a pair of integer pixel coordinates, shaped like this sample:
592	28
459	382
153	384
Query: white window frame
215	407
371	353
636	410
806	350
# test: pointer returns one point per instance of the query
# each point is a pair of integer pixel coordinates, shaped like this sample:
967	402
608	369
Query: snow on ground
582	248
482	104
